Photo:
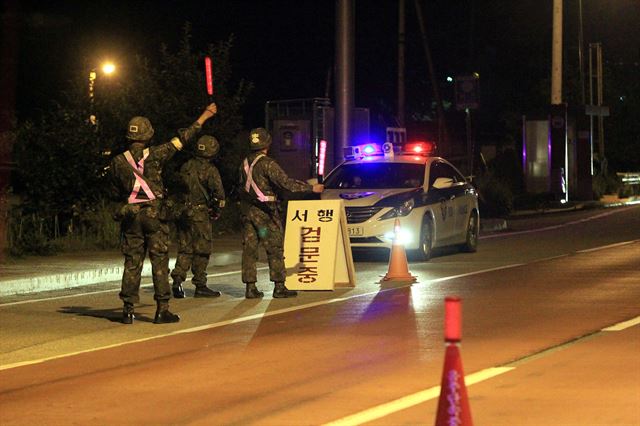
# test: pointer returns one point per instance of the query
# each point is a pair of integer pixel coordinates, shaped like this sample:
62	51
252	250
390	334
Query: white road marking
482	271
549	228
240	319
623	325
408	401
195	329
412	400
624	243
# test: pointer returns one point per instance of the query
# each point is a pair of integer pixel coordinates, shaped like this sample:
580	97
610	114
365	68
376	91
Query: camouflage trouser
144	231
261	227
194	246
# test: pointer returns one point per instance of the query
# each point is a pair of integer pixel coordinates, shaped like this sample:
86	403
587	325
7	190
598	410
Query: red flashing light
453	319
419	147
209	75
321	157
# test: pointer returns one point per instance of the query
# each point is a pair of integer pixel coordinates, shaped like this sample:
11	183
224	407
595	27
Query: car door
441	198
462	203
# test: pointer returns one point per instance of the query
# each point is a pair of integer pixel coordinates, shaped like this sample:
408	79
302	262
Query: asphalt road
551	336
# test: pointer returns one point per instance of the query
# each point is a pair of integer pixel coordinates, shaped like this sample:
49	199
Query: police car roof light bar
361	151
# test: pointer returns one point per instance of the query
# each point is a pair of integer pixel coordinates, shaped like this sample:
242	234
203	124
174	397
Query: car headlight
400	211
403	237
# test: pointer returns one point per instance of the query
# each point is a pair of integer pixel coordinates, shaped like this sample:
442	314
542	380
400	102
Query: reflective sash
138	172
248	169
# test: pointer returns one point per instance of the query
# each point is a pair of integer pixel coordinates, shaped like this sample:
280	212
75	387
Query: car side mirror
443	183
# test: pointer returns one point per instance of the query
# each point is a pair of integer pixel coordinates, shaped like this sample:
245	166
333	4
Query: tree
622	128
62	158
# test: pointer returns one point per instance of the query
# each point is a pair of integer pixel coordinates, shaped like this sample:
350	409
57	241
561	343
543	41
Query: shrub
605	184
495	197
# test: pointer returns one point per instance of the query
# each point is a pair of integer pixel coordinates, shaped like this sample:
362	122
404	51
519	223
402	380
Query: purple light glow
524	146
549	151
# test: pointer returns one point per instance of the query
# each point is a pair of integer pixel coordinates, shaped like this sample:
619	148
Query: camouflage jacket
270	178
198	176
123	177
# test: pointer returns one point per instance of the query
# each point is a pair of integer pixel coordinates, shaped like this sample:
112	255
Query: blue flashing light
362	151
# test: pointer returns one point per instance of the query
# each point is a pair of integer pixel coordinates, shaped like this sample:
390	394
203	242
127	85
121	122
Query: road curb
65	280
89	276
493	225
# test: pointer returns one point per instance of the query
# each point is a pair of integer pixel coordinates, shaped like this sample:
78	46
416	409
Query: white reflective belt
251	184
140	182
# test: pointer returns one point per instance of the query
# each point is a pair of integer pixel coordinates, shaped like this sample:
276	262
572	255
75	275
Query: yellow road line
623	325
412	400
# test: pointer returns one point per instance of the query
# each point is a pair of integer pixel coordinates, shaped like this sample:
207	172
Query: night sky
287	47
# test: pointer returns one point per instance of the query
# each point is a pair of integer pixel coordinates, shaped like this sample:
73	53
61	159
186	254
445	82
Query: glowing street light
107	68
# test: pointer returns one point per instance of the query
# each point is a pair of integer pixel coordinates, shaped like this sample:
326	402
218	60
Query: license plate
355	231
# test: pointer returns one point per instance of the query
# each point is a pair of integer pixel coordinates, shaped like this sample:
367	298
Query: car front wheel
471	241
426	241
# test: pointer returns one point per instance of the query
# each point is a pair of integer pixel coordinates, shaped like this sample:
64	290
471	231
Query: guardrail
629	178
630	184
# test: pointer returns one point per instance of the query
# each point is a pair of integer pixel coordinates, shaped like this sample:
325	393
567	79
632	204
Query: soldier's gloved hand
318	188
212	109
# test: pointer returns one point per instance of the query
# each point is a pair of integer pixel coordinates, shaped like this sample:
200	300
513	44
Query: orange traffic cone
453	405
398	266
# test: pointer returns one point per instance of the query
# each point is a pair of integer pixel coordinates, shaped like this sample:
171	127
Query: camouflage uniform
144	224
194	225
261	221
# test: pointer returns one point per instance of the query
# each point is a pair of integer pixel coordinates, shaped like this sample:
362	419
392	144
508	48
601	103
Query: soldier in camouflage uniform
202	199
137	180
260	177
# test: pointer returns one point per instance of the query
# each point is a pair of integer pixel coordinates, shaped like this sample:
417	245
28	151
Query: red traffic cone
398	265
453	405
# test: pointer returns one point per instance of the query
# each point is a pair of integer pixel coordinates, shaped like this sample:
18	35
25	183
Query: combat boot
205	291
280	291
163	315
178	291
252	292
127	314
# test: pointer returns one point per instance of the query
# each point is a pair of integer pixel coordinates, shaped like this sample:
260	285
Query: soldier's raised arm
210	111
187	135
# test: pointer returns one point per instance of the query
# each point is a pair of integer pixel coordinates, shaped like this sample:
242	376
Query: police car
435	204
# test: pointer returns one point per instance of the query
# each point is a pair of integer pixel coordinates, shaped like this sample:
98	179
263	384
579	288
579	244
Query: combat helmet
139	129
259	139
207	147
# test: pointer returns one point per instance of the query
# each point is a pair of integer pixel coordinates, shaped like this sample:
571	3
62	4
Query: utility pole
559	161
401	61
443	135
345	18
556	56
580	54
598	109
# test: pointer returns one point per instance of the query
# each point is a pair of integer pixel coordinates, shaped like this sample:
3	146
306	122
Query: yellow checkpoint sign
317	251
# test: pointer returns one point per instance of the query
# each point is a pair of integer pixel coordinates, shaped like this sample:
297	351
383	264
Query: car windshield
376	176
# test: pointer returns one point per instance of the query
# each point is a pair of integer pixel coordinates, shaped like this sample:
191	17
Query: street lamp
107	68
